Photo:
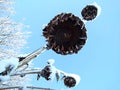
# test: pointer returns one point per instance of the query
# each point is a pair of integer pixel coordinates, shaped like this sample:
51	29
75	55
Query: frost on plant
12	38
7	68
6	7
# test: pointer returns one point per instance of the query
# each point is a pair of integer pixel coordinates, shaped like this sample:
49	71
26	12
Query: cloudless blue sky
97	63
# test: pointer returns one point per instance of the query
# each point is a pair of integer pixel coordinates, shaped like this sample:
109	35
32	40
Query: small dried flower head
46	72
89	12
69	81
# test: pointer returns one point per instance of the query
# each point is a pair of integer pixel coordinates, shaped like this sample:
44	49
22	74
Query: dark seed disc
69	82
65	34
89	12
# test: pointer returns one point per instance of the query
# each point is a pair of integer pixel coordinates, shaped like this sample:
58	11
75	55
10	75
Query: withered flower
89	12
69	81
65	34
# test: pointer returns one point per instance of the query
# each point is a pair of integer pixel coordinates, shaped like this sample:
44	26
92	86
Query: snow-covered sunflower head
71	80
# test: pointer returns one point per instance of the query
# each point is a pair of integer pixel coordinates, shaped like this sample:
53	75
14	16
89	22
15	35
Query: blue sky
97	63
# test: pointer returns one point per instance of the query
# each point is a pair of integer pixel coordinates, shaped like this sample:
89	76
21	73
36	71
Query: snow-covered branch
12	38
49	72
11	75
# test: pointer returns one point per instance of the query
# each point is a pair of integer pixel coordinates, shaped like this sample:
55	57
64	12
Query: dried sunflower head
69	81
46	72
65	34
89	12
